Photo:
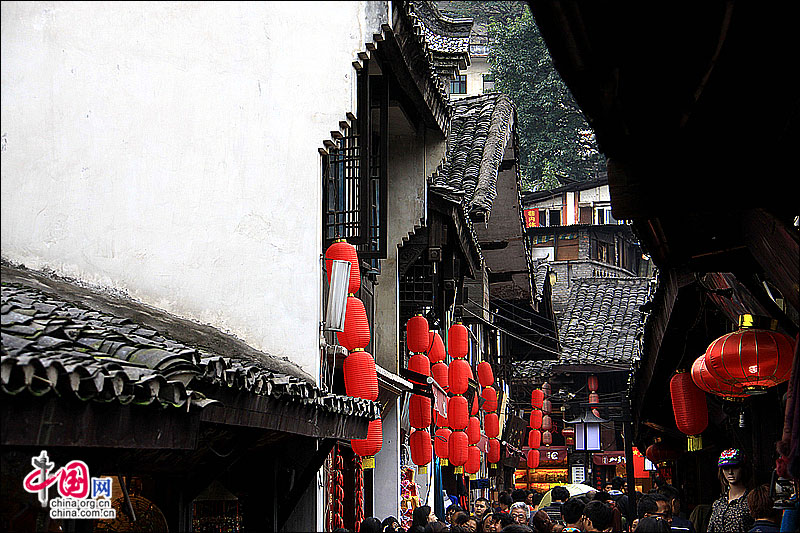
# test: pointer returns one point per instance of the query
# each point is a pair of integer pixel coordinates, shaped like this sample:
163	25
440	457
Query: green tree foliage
557	146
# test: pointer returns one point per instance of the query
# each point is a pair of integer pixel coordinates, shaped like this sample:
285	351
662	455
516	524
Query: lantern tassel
694	443
444	462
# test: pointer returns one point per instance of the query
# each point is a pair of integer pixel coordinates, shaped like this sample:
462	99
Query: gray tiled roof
602	325
480	129
51	346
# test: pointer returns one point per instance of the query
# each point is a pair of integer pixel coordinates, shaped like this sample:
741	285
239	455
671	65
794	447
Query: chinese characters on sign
75	487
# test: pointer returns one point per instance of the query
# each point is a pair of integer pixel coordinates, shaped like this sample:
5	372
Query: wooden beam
290	501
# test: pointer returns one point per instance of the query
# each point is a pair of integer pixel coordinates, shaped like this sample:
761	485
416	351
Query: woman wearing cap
730	511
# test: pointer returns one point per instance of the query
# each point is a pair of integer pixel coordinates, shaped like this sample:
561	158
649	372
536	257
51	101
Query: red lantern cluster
689	406
540	423
360	376
750	359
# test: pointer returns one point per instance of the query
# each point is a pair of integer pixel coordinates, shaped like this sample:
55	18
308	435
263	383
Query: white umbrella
575	489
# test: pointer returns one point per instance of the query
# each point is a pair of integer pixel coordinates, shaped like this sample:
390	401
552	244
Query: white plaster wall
477	68
597	194
169	150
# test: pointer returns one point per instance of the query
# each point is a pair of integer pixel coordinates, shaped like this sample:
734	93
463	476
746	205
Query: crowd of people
740	508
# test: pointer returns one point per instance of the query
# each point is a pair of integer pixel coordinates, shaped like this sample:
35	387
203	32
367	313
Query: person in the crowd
420	518
760	503
678	523
652	505
571	513
502	520
558	496
451	510
540	522
434	527
652	524
597	516
730	512
471	524
520	512
517	528
459	518
390	524
370	525
482	507
487	523
504	501
616	522
617	493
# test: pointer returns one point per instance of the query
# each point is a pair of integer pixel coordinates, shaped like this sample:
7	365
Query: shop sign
531	218
553	456
578	474
609	458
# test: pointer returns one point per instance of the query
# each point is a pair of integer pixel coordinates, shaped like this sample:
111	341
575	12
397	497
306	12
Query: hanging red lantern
372	444
547	438
594	397
659	453
419	411
547	407
490	399
421	450
473	410
709	383
439	420
592	382
458	340
533	458
534	438
491	425
546	389
536	419
356	326
547	423
474	430
569	436
436	352
457	412
751	358
360	377
439	371
493	456
537	398
473	463
458	376
689	406
440	440
417	334
420	363
457	450
341	250
485	374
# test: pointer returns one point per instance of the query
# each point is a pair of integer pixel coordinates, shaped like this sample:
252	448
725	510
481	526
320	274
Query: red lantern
356	326
750	358
659	453
360	377
594	397
457	446
473	410
533	458
491	425
421	451
534	438
457	412
537	398
474	430
439	420
417	334
547	438
436	352
689	406
420	363
536	419
493	456
490	397
546	389
547	407
458	376
708	383
344	251
419	411
592	382
547	423
442	436
473	463
457	340
372	444
569	436
439	371
485	374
